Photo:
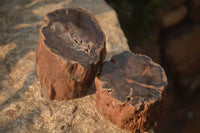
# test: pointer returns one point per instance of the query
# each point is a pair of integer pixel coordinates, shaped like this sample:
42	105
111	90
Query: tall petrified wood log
71	47
130	91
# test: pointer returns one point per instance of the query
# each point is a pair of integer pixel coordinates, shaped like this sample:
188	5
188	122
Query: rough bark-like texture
130	91
70	50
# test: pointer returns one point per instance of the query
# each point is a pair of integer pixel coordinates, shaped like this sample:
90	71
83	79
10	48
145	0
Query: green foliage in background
138	18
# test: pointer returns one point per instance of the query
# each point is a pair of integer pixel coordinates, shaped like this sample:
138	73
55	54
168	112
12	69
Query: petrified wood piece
130	91
70	50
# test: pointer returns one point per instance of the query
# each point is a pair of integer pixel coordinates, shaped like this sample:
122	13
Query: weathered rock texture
130	91
22	109
70	50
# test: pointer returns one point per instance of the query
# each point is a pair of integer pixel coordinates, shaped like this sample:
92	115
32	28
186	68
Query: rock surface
22	109
130	91
181	56
70	50
182	49
173	17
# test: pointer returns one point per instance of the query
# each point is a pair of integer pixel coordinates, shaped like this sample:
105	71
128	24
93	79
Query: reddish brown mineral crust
70	50
130	91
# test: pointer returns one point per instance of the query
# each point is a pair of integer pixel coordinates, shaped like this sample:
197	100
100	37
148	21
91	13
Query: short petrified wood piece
70	50
130	91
